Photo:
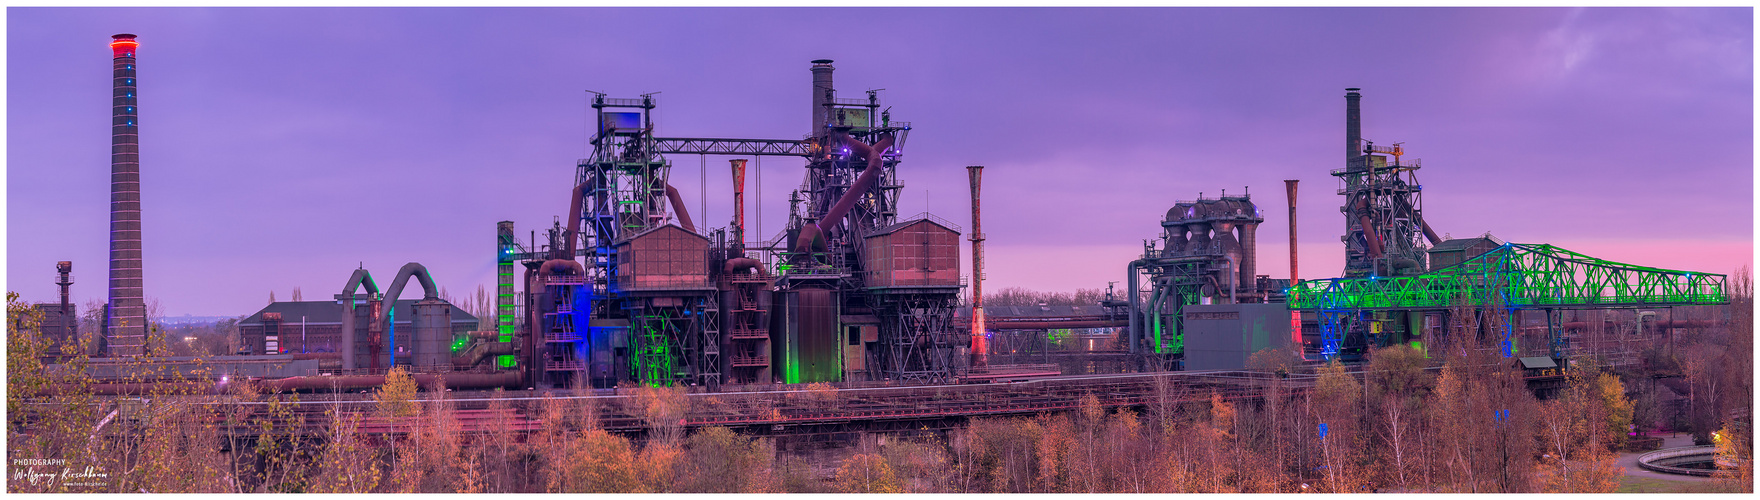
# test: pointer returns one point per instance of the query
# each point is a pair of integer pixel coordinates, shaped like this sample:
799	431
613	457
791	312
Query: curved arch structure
429	292
360	278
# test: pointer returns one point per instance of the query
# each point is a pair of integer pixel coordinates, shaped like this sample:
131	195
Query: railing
624	102
564	366
750	361
749	333
564	280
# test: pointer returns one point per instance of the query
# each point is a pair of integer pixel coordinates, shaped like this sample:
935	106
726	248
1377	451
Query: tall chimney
66	329
980	351
1353	126
1289	185
739	205
127	332
822	94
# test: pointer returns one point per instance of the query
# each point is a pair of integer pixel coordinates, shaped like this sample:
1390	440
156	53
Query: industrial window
855	335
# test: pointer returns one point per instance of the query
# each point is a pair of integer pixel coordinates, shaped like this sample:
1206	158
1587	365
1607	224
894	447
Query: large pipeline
429	292
811	235
575	200
1370	235
479	352
424	380
684	218
993	324
1135	325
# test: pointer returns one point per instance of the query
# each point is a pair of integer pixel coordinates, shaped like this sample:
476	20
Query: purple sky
279	147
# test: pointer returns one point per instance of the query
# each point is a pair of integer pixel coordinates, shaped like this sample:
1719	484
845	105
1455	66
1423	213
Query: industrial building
847	291
316	327
625	288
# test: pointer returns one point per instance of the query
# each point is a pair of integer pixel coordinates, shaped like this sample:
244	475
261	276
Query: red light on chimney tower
123	45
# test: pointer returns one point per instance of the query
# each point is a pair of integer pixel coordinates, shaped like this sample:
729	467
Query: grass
1631	484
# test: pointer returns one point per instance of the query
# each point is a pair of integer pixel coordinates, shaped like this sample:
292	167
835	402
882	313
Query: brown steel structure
126	334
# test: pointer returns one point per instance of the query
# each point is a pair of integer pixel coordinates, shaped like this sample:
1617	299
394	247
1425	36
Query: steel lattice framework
732	146
1516	275
1521	275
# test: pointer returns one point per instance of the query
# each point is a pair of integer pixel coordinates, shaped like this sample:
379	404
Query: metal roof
901	225
330	311
1459	244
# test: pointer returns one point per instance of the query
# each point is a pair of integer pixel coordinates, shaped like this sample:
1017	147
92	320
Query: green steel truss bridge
1516	275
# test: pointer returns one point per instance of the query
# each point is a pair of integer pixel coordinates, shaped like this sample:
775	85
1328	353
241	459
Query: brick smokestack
127	315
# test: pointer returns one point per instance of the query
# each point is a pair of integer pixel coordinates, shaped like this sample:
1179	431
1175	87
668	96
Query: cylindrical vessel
127	332
432	334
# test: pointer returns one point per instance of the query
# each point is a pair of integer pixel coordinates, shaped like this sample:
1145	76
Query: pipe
429	292
811	235
574	221
423	380
1289	186
1231	283
1054	324
739	264
1136	327
355	281
478	352
684	218
1370	236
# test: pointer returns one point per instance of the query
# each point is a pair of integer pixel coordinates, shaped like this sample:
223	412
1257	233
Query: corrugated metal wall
665	257
921	254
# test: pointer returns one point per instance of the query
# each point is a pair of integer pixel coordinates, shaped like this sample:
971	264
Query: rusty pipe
684	217
739	264
993	324
574	222
809	238
1370	236
477	353
423	380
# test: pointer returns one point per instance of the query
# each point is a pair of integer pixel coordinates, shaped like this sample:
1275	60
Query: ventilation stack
980	351
822	95
1289	186
127	331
